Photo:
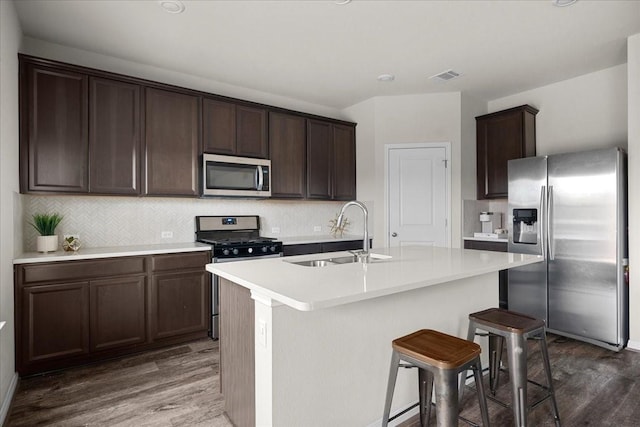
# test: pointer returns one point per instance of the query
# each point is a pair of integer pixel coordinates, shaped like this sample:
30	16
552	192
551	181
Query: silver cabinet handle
394	234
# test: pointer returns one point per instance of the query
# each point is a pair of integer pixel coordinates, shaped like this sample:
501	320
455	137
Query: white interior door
418	195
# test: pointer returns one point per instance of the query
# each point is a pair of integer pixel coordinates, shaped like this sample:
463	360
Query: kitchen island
303	345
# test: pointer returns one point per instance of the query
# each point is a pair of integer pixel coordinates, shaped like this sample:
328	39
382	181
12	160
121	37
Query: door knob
394	234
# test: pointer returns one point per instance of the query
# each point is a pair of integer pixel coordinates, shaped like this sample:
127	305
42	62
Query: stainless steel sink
325	262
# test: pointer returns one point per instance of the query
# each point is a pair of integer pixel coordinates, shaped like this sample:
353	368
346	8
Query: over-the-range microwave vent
445	76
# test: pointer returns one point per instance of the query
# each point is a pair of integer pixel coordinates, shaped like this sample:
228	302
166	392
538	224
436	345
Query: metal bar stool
514	328
439	358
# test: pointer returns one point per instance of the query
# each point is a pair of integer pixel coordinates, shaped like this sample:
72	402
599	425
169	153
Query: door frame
387	150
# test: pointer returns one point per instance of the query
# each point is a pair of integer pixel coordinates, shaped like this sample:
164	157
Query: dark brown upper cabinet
344	162
502	136
331	167
88	131
287	146
234	129
54	125
114	137
172	143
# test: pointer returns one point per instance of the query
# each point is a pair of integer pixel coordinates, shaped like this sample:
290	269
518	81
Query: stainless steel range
234	238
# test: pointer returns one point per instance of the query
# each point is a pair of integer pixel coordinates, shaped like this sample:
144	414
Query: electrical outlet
262	332
166	234
317	228
275	230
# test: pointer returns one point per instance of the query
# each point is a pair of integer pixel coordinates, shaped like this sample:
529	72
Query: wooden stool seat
437	349
439	358
508	321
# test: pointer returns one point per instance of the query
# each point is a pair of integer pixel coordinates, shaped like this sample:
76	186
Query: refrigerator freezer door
584	284
527	291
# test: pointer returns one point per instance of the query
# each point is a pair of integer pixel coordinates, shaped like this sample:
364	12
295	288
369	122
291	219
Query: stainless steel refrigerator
572	209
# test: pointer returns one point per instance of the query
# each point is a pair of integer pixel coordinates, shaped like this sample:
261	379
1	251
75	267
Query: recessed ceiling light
386	77
563	3
171	6
342	2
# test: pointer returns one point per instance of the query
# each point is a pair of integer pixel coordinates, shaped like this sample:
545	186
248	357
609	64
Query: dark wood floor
594	387
178	386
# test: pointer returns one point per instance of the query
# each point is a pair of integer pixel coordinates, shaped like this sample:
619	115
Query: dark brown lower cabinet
118	308
55	321
314	248
180	302
69	313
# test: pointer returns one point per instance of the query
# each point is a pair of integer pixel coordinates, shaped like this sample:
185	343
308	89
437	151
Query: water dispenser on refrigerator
525	226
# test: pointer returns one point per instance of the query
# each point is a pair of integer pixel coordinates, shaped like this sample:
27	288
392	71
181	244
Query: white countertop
110	252
316	238
410	267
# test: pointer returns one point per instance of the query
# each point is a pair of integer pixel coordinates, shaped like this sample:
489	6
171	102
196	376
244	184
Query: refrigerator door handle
543	215
549	214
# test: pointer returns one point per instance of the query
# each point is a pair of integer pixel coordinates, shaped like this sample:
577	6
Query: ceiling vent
445	76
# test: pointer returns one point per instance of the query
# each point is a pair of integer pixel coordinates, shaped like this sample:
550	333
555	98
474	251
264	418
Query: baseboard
413	412
633	345
8	400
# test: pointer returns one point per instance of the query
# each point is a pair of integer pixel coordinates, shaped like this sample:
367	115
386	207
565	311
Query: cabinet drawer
81	269
195	260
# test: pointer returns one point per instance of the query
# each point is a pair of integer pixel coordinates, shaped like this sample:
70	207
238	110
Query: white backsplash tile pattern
120	221
471	214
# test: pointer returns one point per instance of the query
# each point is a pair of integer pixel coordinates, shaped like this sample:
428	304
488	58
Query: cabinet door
54	103
251	132
180	303
118	314
502	136
171	143
55	322
114	142
287	139
319	158
218	127
500	140
344	163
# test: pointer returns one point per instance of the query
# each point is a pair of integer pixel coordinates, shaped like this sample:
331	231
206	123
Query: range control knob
265	249
250	250
272	248
236	251
225	251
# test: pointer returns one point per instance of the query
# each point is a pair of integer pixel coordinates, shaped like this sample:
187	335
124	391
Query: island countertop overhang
410	267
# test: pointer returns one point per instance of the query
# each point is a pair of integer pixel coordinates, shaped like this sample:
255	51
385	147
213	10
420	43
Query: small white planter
47	243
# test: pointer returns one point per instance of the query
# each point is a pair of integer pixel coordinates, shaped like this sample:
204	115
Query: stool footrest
404	411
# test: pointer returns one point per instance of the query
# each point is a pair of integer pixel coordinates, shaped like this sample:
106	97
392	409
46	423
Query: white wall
633	69
471	108
401	120
10	40
85	58
586	112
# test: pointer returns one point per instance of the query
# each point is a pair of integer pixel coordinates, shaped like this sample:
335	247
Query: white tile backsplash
119	221
471	214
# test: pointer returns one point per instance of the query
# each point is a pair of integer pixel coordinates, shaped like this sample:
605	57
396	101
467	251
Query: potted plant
46	224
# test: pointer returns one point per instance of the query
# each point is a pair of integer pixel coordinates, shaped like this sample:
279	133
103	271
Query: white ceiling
330	55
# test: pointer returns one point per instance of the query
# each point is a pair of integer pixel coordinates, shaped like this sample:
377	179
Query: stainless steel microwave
235	176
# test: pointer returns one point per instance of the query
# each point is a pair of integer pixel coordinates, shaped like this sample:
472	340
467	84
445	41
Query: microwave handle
259	178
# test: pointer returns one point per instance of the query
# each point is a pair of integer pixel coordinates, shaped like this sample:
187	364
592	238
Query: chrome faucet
365	242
